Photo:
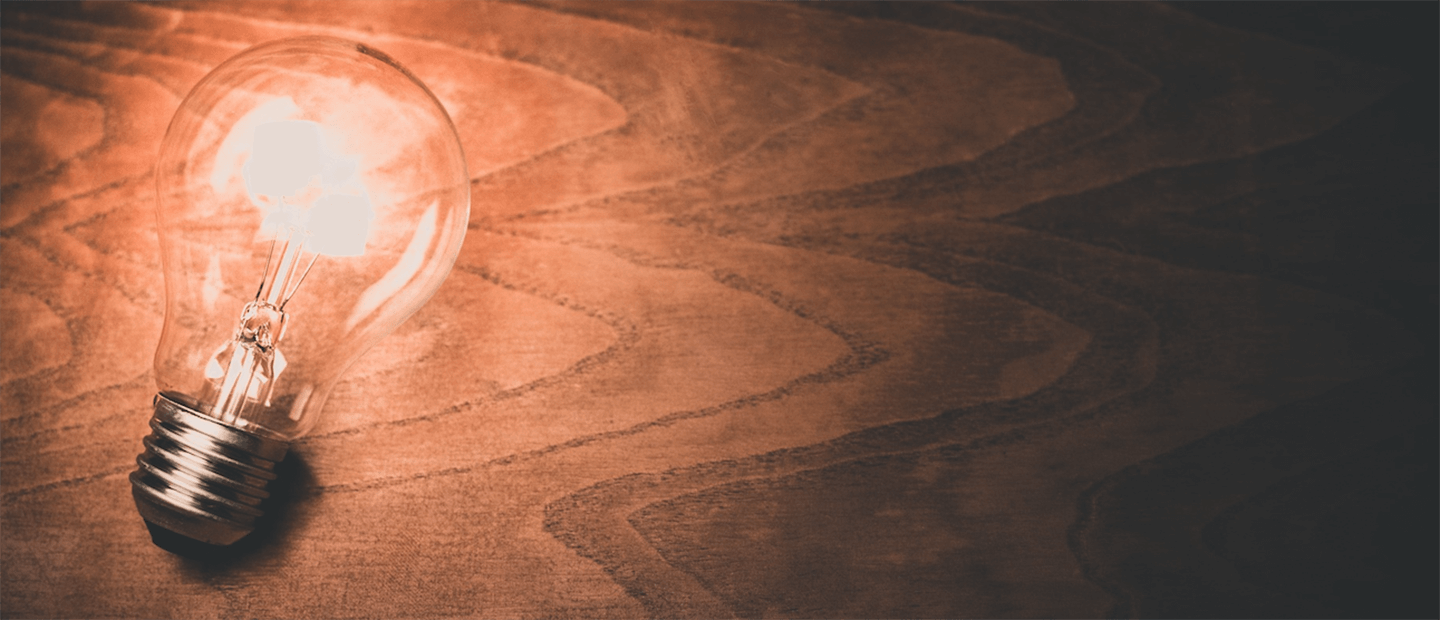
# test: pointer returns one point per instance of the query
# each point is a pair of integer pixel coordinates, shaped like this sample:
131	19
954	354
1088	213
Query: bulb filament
316	201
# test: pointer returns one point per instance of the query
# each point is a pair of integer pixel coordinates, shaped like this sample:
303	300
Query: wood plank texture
835	310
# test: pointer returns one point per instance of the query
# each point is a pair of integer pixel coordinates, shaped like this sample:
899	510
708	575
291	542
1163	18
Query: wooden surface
998	310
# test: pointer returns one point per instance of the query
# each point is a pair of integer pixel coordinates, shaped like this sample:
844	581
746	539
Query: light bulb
311	195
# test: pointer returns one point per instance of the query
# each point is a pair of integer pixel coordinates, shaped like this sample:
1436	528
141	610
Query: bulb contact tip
202	479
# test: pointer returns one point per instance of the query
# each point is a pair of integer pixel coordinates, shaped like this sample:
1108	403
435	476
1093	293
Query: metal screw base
201	478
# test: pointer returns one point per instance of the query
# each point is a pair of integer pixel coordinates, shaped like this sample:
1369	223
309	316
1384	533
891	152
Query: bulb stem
242	363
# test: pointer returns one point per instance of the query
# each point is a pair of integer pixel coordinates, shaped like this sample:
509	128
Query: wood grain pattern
851	310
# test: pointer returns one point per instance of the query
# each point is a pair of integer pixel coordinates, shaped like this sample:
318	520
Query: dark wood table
850	310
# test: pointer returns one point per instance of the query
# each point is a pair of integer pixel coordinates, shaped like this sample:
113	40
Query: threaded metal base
201	478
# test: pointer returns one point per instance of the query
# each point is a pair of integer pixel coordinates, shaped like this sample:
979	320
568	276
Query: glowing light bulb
312	194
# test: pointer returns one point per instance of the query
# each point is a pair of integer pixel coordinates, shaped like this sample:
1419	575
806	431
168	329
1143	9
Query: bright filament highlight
313	208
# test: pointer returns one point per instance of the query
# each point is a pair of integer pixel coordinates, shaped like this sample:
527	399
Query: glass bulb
311	195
